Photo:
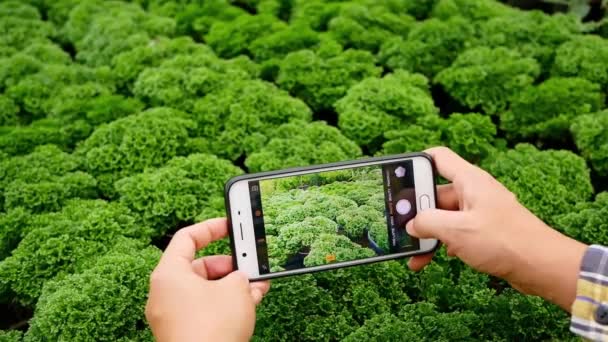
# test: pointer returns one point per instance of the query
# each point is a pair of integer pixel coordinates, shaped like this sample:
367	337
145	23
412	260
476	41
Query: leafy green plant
113	290
131	144
583	57
34	92
20	140
176	193
546	110
339	246
366	26
471	135
12	225
357	220
319	81
11	335
547	182
230	39
364	116
590	133
474	10
62	243
587	222
180	81
44	180
430	46
127	65
298	143
488	78
101	32
240	117
532	33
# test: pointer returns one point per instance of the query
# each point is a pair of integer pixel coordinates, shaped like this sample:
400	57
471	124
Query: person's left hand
201	299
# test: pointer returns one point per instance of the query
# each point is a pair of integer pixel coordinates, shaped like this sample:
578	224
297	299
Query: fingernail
256	294
409	227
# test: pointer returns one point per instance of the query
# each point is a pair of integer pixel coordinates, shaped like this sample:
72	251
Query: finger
187	241
448	163
213	267
263	286
447	198
436	224
256	295
238	282
418	262
236	279
259	290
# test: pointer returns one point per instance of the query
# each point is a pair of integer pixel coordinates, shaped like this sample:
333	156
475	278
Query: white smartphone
323	217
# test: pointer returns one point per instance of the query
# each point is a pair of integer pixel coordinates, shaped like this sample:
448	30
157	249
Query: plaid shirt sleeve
590	308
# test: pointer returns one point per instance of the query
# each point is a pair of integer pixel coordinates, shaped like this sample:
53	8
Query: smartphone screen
333	216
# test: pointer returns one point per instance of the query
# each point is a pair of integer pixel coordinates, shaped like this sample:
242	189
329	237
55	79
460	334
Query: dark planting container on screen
297	260
373	245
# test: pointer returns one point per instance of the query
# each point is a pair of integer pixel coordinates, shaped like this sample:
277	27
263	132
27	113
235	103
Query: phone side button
425	202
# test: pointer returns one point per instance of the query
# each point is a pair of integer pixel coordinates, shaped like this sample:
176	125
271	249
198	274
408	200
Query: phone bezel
250	262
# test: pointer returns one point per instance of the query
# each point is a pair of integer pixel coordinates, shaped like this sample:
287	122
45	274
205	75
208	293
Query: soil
14	316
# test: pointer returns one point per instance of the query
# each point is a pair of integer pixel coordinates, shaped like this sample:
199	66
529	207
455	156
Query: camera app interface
333	216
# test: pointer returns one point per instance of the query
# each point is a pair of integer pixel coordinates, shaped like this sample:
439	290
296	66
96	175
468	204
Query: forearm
560	271
549	265
207	331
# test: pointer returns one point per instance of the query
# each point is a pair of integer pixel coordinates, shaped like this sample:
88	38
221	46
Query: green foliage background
120	122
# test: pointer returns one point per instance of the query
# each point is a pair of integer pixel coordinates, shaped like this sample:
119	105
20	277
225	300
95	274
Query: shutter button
601	314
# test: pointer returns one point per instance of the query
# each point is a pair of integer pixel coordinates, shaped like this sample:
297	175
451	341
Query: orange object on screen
330	258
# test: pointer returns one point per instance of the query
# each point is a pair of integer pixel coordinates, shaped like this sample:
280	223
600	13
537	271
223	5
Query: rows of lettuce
121	121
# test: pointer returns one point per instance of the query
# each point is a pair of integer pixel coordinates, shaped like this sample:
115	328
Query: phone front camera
244	255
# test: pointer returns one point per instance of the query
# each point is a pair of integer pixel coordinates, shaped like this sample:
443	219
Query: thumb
435	224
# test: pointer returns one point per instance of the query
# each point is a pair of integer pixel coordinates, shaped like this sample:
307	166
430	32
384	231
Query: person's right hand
482	223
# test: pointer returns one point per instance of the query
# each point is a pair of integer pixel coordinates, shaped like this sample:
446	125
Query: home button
425	202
